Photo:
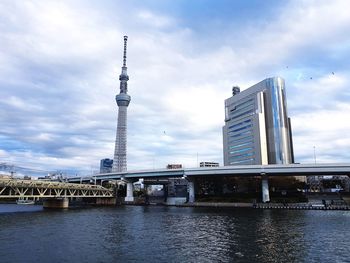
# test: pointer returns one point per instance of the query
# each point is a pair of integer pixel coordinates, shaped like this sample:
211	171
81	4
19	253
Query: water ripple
171	234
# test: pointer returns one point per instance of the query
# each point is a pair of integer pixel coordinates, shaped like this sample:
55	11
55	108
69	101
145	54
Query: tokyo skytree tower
123	100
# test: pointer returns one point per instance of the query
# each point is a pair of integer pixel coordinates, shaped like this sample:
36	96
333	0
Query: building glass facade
257	129
106	165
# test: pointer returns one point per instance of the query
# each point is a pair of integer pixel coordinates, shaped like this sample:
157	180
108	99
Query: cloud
326	130
60	61
155	20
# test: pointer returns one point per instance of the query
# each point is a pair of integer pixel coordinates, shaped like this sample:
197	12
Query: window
240	134
242	150
247	161
243	112
241	144
243	139
240	124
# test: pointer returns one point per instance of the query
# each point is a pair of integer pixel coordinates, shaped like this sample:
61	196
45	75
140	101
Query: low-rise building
208	164
174	166
106	165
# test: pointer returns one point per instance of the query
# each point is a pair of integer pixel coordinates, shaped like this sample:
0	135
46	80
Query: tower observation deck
123	100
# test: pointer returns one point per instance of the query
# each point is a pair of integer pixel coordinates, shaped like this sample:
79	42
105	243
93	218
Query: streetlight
315	154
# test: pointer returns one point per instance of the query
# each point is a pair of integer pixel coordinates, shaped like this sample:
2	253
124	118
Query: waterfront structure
106	165
123	100
189	174
257	128
208	164
55	194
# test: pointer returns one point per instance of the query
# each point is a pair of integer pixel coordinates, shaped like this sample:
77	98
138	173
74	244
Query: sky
60	62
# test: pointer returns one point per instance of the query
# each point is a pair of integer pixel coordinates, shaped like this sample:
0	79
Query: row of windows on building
240	134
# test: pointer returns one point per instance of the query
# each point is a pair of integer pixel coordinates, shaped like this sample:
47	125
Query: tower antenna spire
124	55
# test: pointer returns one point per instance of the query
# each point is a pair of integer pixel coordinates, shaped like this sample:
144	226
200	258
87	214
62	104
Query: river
172	234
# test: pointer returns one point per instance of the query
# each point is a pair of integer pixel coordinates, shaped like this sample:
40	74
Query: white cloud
21	104
327	130
61	75
155	20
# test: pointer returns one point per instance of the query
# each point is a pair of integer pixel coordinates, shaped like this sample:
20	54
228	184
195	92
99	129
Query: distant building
138	186
45	178
106	165
332	183
174	166
56	177
177	187
208	164
257	128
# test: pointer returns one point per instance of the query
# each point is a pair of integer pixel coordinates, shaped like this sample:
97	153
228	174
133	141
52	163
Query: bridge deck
239	170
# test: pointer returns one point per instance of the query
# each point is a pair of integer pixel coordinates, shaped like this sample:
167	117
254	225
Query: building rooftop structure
208	164
174	166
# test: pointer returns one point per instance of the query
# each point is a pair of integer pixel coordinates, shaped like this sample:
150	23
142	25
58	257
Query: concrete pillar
165	190
129	192
190	190
146	192
265	189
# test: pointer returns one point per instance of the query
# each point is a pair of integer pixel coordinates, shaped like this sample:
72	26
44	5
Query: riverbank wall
295	206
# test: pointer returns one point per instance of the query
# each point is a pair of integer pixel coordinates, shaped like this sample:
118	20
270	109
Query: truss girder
13	188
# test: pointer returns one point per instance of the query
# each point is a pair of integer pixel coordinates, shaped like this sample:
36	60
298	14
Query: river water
172	234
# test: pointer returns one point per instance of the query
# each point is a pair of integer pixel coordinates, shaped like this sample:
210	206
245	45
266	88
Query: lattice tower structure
123	100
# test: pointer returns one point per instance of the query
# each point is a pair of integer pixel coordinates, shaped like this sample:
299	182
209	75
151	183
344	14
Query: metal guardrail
13	188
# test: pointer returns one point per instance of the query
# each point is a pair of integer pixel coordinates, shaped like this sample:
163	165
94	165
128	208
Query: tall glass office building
257	128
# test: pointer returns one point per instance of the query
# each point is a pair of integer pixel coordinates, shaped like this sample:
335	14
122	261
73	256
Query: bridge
54	193
239	170
264	171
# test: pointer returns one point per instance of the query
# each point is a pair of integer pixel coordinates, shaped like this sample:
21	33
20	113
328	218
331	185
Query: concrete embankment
292	206
216	204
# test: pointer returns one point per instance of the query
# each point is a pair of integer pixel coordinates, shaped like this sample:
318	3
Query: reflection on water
12	208
171	234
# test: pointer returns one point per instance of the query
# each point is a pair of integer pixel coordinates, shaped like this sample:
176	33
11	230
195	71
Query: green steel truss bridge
18	188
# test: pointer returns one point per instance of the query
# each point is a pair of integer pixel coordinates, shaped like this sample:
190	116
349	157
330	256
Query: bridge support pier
56	203
265	189
190	190
129	192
